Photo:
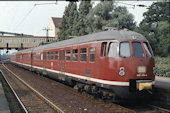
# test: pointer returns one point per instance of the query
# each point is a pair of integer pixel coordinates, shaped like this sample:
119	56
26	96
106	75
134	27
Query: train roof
104	35
25	50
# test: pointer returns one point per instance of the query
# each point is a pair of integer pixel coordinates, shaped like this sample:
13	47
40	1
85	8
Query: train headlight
122	71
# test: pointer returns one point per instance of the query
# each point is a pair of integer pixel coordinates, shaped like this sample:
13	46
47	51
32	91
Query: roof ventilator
110	28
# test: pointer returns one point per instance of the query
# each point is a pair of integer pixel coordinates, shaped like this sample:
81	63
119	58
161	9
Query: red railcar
111	62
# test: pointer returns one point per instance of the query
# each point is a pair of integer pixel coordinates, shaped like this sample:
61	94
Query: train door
62	61
44	60
22	58
31	59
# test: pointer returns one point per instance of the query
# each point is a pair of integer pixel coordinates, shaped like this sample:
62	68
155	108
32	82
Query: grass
162	65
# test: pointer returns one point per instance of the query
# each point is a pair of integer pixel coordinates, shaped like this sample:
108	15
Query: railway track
104	106
144	107
78	102
157	107
30	99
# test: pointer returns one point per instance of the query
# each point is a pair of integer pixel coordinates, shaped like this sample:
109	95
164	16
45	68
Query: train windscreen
137	49
124	49
112	50
148	53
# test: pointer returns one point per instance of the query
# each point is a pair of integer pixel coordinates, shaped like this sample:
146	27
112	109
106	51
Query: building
16	42
53	27
163	0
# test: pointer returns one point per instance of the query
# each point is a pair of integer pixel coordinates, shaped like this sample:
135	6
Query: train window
75	55
41	56
51	55
8	40
103	49
124	49
1	40
34	40
37	56
83	54
68	55
48	56
92	54
148	53
112	50
137	49
56	55
34	56
16	41
25	40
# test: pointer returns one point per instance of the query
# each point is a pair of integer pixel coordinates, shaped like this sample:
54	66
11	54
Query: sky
28	18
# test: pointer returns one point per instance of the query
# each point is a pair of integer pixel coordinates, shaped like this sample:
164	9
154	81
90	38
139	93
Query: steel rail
44	98
167	110
19	100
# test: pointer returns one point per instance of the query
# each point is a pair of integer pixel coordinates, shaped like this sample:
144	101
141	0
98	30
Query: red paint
103	68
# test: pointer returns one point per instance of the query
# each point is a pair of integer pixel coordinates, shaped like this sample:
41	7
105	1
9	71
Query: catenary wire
24	17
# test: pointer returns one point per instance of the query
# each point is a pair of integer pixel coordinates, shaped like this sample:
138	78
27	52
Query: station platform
4	108
162	82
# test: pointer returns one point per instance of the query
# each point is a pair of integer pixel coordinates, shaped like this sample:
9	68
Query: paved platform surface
162	82
4	108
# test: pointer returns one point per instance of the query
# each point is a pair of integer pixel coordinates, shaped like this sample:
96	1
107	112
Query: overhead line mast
47	30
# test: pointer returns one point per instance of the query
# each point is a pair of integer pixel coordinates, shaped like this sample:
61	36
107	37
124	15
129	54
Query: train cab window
137	49
68	55
83	54
112	50
51	55
56	55
148	53
103	49
75	55
92	54
124	49
48	55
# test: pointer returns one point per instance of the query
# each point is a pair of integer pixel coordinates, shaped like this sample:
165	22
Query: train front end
135	66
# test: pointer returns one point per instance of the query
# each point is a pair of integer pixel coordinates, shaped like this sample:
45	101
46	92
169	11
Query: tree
155	27
106	14
164	38
158	11
121	18
82	21
88	20
67	24
99	15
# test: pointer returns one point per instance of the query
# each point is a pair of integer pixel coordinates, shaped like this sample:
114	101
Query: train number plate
141	69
